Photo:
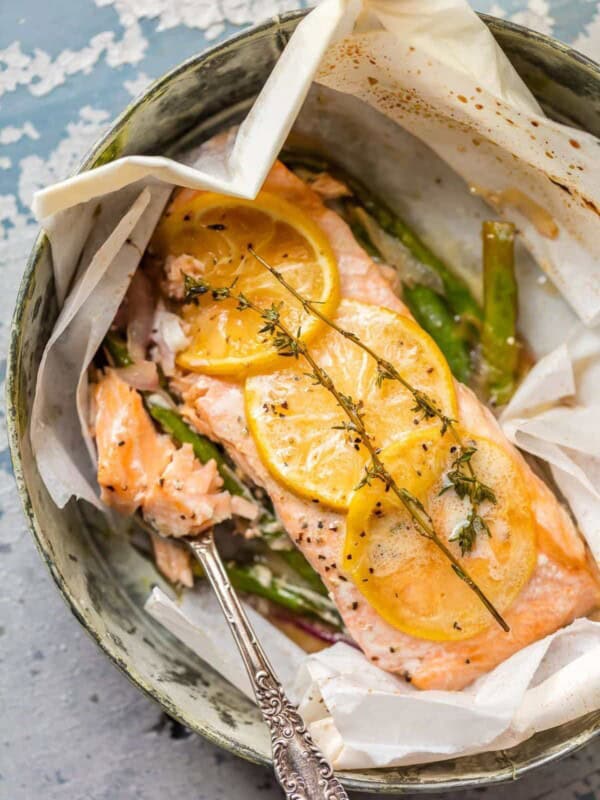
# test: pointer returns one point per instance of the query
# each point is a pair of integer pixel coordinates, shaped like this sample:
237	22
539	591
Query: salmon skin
564	584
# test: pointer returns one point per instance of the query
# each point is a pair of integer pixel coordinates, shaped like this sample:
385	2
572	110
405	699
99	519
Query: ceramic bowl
102	579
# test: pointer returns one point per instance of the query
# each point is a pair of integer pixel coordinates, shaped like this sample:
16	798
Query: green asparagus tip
500	348
116	347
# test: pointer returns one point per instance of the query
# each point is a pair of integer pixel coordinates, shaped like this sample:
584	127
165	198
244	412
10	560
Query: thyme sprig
424	405
468	485
289	344
462	477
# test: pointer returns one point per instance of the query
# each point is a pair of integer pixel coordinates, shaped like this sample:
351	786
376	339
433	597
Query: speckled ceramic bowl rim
511	771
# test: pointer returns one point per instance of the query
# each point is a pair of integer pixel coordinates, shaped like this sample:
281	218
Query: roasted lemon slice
403	575
296	423
216	230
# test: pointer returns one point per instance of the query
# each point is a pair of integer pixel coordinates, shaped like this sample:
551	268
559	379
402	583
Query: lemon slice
404	576
216	230
295	423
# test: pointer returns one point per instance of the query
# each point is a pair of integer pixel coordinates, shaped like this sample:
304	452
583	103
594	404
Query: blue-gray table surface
71	725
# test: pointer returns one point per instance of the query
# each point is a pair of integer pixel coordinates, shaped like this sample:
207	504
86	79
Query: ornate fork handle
300	767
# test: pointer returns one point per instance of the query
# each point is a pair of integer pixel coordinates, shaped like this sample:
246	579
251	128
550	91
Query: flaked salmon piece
564	584
244	508
328	187
131	454
173	560
139	468
175	269
186	499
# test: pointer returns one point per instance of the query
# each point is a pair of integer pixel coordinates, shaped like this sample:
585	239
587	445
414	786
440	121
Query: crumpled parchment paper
433	68
59	429
555	415
362	717
197	620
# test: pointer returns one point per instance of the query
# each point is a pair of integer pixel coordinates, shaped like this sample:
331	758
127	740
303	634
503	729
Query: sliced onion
140	314
169	337
328	187
142	375
244	508
321	632
398	256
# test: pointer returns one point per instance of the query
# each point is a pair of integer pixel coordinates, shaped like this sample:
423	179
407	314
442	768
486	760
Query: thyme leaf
467	533
193	287
466	484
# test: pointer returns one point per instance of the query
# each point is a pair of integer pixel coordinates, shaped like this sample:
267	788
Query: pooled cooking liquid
541	220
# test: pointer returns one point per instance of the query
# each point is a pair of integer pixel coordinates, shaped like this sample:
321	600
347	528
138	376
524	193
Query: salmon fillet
564	584
138	468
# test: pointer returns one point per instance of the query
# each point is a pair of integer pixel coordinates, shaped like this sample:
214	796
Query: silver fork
300	767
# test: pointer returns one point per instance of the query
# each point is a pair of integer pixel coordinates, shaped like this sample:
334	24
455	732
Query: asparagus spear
296	561
456	290
117	349
499	347
259	580
434	316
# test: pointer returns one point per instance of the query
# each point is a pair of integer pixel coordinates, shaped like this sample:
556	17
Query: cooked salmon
564	584
131	455
138	468
173	560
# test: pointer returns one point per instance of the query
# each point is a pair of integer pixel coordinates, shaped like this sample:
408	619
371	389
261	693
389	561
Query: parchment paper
555	415
59	425
363	717
428	68
434	68
198	622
